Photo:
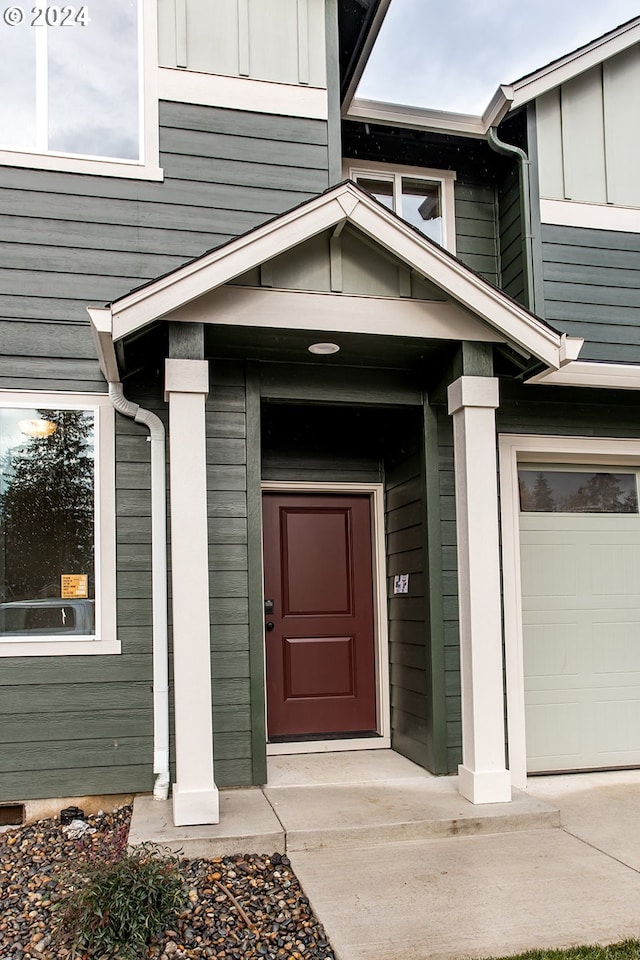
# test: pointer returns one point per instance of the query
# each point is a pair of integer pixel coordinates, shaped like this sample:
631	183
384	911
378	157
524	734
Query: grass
626	950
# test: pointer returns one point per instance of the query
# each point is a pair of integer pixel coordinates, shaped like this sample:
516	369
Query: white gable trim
346	202
574	63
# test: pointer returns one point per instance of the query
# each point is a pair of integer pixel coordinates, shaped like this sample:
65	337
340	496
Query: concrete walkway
399	867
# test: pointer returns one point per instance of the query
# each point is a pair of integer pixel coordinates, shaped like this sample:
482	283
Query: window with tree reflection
47	521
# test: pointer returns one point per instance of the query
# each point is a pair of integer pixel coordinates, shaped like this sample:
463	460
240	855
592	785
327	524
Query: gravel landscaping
248	906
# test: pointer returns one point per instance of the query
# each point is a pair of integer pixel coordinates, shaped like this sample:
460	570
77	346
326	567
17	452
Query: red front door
319	615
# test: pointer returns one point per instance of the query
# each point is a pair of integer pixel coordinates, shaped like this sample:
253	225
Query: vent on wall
11	814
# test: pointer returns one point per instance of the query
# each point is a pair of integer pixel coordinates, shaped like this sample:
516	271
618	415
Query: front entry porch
360	798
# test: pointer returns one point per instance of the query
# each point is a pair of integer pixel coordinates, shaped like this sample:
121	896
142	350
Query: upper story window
422	197
76	91
56	526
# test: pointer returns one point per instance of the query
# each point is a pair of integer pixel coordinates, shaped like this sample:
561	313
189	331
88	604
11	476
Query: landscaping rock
240	907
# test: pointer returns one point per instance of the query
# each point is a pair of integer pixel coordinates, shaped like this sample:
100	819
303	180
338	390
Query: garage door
580	555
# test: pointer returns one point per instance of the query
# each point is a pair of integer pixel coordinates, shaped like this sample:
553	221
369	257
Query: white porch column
195	795
482	776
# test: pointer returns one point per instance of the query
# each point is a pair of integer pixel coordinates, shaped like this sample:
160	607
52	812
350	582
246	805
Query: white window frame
513	450
147	168
104	641
394	174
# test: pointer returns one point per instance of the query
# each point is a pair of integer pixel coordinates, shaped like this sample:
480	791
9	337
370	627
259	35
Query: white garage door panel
581	620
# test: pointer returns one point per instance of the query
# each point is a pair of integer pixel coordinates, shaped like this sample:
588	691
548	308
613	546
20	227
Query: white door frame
375	491
512	450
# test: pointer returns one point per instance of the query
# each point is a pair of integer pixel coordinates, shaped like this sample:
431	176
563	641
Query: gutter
101	328
508	149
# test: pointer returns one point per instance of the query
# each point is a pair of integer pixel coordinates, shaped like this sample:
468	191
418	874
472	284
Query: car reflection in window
47	618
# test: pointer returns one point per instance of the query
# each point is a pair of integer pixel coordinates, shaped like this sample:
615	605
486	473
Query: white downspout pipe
159	584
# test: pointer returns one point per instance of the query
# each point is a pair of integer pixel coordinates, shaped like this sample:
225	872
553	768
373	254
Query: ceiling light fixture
324	348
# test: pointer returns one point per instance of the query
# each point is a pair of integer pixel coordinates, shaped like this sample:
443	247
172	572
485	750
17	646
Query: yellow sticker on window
74	585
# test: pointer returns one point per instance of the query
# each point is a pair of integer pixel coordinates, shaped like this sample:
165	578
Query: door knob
269	625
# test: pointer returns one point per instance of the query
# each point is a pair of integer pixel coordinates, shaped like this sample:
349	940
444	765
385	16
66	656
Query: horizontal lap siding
409	650
476	242
591	284
81	725
226	431
450	590
510	236
69	240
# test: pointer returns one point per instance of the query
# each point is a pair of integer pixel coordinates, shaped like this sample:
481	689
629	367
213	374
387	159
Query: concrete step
307	818
399	810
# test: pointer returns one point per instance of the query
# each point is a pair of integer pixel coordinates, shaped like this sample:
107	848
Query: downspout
524	168
155	427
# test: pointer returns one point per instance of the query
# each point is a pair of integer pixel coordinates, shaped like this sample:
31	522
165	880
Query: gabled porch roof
344	204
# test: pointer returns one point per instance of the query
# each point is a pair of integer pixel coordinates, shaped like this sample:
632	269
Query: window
576	491
74	78
56	525
424	198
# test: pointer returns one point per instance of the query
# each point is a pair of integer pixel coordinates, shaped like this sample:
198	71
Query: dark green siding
71	240
592	289
512	279
449	590
82	725
228	574
476	243
409	648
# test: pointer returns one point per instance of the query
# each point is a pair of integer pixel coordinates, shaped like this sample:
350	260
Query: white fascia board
535	84
497	108
584	373
471	291
101	328
243	93
335	313
417	118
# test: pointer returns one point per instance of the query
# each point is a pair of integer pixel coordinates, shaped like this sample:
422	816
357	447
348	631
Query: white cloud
454	55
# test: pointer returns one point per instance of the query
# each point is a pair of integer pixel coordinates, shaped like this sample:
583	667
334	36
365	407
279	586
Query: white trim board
335	313
514	449
375	491
595	216
585	373
243	93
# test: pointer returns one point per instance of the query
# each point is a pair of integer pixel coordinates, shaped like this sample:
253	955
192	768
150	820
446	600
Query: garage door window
576	491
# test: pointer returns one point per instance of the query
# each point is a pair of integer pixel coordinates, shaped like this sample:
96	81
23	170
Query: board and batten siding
277	40
588	141
71	240
592	289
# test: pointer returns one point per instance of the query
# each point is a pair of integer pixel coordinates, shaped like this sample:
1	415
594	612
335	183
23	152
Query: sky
453	54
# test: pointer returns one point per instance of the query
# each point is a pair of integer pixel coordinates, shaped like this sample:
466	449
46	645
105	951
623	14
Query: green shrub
116	905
